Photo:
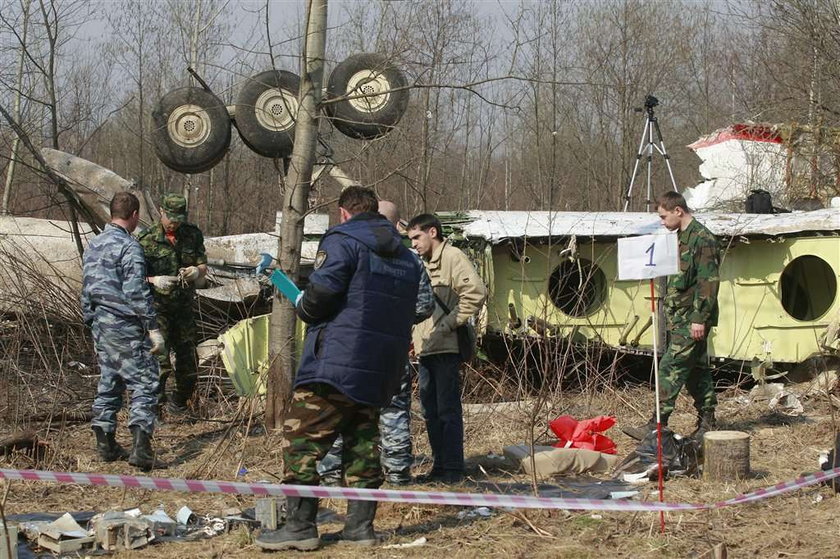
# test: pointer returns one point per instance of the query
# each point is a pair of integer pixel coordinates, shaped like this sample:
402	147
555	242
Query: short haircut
424	222
358	199
123	204
671	200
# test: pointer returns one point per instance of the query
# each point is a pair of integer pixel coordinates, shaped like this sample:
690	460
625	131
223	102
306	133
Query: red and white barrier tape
430	497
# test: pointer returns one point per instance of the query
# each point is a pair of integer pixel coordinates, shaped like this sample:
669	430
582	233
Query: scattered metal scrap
117	530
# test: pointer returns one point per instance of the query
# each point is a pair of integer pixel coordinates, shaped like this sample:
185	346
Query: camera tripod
647	145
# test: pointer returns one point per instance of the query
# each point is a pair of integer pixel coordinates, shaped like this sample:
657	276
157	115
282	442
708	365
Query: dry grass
38	345
793	526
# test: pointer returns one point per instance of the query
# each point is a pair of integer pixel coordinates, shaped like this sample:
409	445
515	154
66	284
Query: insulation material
736	160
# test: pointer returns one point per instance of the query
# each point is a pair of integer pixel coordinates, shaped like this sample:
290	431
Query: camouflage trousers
686	362
125	362
395	434
318	415
177	324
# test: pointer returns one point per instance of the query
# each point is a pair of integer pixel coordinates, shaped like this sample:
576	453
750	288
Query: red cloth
584	434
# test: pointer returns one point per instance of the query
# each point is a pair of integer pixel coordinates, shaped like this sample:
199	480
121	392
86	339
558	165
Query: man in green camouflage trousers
319	411
175	261
691	310
359	307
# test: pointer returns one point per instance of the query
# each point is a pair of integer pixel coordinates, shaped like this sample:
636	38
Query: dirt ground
803	524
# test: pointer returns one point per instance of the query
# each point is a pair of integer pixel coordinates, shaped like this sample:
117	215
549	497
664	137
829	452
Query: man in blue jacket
395	418
359	306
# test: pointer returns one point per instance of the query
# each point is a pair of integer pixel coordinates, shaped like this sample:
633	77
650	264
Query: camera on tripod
648	146
650	103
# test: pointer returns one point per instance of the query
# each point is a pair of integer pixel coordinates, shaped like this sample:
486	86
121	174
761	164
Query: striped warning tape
424	497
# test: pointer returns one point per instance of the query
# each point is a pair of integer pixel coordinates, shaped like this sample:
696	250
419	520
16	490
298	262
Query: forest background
517	105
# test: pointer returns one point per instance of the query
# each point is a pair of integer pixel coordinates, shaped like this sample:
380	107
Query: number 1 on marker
650	250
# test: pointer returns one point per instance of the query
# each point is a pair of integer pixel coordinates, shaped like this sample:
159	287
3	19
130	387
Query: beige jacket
458	285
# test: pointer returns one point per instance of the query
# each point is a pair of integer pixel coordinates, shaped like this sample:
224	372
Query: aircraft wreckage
549	274
554	274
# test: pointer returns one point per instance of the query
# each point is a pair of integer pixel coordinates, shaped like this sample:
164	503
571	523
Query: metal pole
658	416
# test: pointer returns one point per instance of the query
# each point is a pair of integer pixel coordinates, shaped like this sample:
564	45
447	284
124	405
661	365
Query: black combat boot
642	431
705	422
451	477
141	453
433	476
358	525
107	447
299	532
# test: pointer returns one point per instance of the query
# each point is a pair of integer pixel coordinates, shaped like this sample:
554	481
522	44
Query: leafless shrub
46	355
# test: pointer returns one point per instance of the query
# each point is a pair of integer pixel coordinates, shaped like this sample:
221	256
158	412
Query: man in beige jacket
459	294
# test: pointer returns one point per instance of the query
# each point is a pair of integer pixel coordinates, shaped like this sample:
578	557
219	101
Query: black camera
651	102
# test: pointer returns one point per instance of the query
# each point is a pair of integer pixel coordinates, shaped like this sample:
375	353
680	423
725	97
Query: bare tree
48	35
16	109
133	30
295	206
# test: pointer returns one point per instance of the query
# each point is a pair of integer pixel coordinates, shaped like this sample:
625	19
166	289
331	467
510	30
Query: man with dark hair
117	306
176	261
670	201
691	310
459	293
357	199
395	418
359	307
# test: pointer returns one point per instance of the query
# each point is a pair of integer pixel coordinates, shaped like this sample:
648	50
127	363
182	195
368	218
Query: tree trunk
295	202
10	171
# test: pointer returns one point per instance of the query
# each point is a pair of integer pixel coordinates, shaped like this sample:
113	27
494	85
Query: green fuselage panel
776	295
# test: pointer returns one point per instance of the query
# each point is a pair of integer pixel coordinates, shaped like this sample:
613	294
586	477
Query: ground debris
416	543
64	535
116	530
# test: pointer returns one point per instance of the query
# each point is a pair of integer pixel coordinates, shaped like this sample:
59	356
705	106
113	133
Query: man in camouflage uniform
175	261
691	310
117	306
359	307
395	418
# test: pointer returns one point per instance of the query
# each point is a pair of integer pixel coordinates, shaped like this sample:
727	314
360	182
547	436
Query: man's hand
164	284
698	331
189	274
157	342
449	322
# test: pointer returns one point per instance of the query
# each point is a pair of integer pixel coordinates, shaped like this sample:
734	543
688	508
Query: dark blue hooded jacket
359	306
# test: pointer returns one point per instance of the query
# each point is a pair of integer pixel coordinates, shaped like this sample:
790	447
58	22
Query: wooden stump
727	455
